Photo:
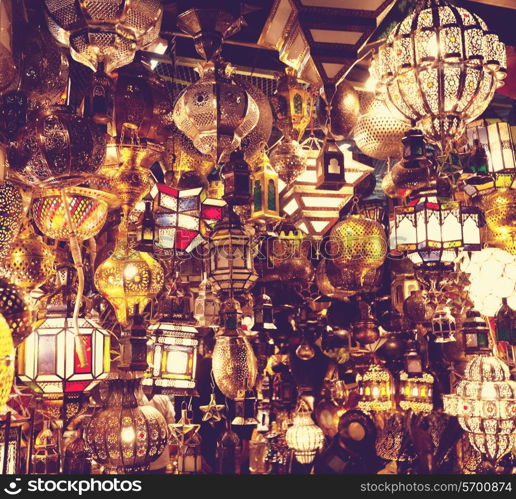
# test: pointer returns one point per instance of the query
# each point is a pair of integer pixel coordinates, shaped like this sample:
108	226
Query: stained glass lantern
14	311
304	436
431	231
215	113
129	280
104	33
237	179
88	209
184	217
485	405
234	363
30	262
265	196
10	215
376	388
230	259
440	68
292	105
330	166
475	333
57	147
172	357
415	392
506	324
126	435
443	325
48	359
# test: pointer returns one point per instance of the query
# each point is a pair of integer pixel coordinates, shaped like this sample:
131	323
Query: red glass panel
184	237
211	212
78	369
75	386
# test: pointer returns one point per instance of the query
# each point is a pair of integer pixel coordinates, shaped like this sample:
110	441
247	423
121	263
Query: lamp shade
11	211
304	437
6	362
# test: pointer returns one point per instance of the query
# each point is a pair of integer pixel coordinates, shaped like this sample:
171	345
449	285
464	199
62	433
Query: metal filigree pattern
11	212
14	311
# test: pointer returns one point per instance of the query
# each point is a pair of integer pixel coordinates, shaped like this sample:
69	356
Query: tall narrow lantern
265	191
330	166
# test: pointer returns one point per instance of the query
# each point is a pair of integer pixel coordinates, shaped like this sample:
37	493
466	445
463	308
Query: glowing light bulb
130	271
127	435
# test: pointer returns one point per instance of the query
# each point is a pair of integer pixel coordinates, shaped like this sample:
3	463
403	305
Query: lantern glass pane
177	361
47	354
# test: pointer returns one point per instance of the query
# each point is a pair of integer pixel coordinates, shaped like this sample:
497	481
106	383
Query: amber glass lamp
376	386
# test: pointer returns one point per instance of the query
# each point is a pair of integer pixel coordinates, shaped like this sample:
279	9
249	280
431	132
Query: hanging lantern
431	231
237	182
45	458
234	362
6	362
498	208
229	453
289	253
128	279
376	387
173	351
11	212
30	262
492	274
230	259
88	210
330	166
304	436
14	311
415	392
7	66
475	333
414	169
485	404
100	34
506	324
126	436
265	195
206	307
57	147
48	359
215	113
142	102
443	325
339	117
288	160
357	243
292	105
425	70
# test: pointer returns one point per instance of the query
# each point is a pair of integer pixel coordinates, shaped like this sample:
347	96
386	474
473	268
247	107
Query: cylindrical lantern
11	212
126	436
376	387
415	392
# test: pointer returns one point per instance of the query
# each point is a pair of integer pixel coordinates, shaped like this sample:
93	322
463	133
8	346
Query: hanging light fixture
14	311
415	392
11	212
443	325
6	362
126	436
304	436
431	231
230	259
265	191
7	66
234	362
440	68
288	160
485	405
376	387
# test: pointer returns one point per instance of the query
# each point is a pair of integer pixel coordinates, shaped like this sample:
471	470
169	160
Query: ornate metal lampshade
216	112
15	312
440	67
11	212
48	360
485	405
288	160
6	361
415	392
265	191
126	436
104	32
377	388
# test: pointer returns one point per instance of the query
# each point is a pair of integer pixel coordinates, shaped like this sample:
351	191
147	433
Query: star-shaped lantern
212	411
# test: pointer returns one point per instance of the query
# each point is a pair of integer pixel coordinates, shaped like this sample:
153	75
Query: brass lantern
415	392
440	68
104	33
234	363
215	112
57	147
30	262
142	102
126	436
330	166
14	311
230	260
376	387
237	180
288	159
292	105
11	212
265	191
357	243
6	361
129	280
48	359
498	208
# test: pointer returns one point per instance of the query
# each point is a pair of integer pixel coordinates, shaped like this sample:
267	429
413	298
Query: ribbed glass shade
305	437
